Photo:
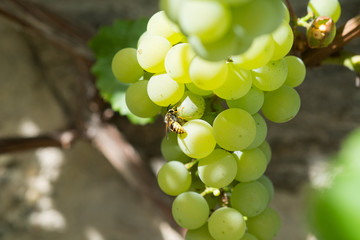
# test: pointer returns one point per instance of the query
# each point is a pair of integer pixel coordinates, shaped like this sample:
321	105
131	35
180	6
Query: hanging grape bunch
216	69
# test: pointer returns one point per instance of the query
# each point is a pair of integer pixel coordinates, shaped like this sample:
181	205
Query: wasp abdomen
177	128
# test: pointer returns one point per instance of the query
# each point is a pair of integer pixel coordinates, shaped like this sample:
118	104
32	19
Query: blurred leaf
335	211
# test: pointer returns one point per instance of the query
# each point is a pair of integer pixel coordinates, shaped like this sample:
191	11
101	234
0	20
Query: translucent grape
171	150
281	105
230	44
226	223
208	75
266	225
237	83
261	131
271	76
265	147
234	129
125	66
164	91
248	236
198	141
208	20
151	53
173	178
296	71
259	17
137	93
258	54
283	38
177	62
194	89
217	169
329	8
190	210
171	8
251	164
264	180
249	198
251	102
201	233
160	25
191	106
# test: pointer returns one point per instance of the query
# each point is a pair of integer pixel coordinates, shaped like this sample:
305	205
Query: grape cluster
222	68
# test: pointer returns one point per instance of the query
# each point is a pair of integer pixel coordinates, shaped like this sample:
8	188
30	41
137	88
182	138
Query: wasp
174	122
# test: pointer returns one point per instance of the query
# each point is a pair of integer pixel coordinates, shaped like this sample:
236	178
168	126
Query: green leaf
108	41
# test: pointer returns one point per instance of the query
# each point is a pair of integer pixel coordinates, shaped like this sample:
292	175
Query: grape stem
304	21
209	190
189	165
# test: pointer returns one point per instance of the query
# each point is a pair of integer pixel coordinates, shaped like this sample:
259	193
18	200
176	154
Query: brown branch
50	26
345	34
62	139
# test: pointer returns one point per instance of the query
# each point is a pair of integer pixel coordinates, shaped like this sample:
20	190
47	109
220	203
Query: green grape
230	44
264	180
208	20
270	76
208	75
151	53
190	210
191	106
198	91
198	141
164	91
249	198
160	25
226	223
251	164
173	178
266	225
218	169
171	150
329	8
234	129
237	83
125	66
261	131
259	17
258	54
283	38
138	101
177	62
265	147
171	8
248	236
201	233
281	105
251	102
296	71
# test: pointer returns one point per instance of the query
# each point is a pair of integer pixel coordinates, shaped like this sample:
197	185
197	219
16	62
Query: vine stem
345	34
189	165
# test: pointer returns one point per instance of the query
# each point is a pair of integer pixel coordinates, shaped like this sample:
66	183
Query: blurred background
76	193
